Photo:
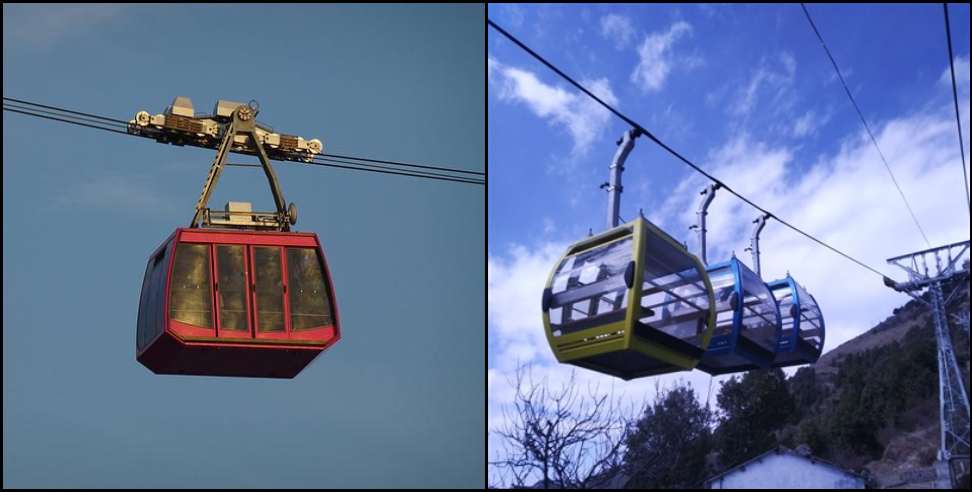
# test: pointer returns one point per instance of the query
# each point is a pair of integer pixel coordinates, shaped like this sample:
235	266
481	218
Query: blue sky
399	401
746	92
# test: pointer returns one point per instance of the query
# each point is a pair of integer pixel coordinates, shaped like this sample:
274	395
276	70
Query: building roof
802	451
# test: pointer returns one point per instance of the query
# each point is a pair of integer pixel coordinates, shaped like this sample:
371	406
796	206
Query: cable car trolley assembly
236	293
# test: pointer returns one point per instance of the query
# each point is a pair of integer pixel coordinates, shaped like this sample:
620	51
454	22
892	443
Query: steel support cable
958	120
5	108
456	180
864	121
440	168
400	170
114	120
77	120
670	150
55	113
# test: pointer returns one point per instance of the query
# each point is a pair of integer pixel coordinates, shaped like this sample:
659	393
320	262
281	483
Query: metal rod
613	186
754	241
707	195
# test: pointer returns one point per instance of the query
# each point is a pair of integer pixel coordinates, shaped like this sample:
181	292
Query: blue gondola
748	324
803	325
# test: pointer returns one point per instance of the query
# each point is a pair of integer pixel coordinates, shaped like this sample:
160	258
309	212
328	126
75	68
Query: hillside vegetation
869	405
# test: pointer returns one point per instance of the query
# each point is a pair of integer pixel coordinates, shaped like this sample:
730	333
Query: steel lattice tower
929	269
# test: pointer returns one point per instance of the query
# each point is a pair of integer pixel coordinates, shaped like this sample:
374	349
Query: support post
707	195
754	241
614	188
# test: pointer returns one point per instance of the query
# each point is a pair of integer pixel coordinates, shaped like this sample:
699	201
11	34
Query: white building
782	468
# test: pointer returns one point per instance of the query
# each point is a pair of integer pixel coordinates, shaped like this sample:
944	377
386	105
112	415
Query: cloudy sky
748	93
399	401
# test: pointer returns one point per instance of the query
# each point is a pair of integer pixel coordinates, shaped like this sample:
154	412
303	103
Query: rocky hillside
871	404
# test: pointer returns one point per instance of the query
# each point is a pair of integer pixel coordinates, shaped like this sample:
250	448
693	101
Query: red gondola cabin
222	302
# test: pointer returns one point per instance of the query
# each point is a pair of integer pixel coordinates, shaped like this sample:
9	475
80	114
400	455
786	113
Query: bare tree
560	438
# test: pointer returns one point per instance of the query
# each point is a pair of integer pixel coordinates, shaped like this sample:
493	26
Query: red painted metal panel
285	282
248	237
212	289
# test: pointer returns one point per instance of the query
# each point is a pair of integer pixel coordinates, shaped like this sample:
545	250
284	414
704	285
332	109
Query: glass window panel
724	285
675	303
269	289
601	271
144	327
191	297
758	310
232	288
310	305
784	299
160	277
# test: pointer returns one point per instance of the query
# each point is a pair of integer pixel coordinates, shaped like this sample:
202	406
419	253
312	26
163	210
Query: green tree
667	446
753	408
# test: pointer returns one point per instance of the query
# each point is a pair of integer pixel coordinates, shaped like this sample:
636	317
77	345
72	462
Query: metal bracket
754	240
708	195
243	123
614	188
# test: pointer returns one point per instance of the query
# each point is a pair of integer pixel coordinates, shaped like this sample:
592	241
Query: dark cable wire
54	113
5	108
864	121
669	149
378	166
66	110
75	120
440	168
958	121
457	180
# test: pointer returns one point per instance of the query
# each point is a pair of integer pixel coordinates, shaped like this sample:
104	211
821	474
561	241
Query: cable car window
786	302
724	284
758	311
158	290
191	298
811	321
269	289
309	302
674	303
232	288
145	320
588	284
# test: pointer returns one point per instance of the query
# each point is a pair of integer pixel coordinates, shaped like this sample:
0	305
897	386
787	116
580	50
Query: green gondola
590	321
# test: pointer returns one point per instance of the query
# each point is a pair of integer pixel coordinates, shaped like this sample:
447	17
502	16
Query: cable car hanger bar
243	122
754	241
670	150
709	195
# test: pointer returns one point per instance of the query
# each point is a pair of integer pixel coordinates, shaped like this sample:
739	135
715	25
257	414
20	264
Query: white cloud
44	25
514	14
618	29
656	60
582	118
809	123
961	73
780	82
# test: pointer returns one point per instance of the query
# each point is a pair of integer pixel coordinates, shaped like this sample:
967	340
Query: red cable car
237	293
